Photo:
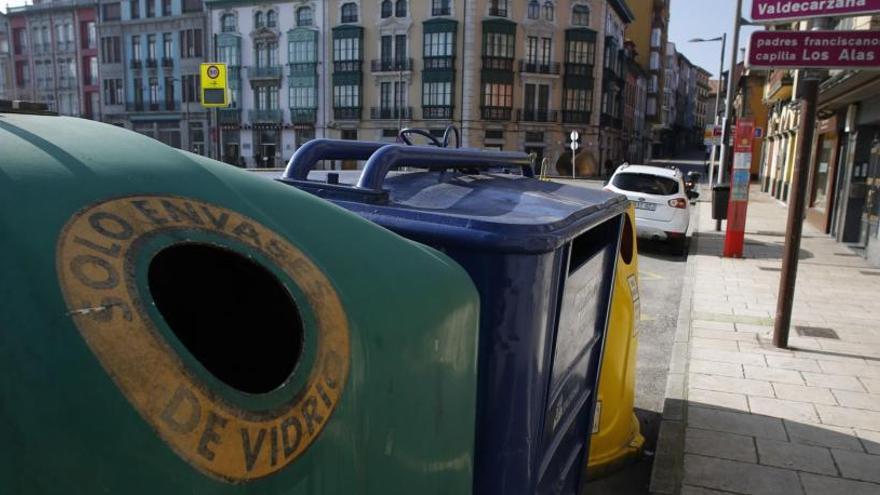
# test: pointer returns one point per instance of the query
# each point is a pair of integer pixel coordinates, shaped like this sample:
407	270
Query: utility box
720	198
542	256
168	326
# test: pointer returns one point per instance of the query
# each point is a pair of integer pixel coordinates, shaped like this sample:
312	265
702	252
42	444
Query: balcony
498	11
498	63
347	66
303	69
155	106
268	72
539	67
167	62
578	70
392	65
539	115
230	116
496	113
347	113
391	113
437	112
303	115
575	117
135	63
152	63
439	63
265	116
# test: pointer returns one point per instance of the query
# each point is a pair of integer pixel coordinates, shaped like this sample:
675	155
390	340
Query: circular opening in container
627	241
232	314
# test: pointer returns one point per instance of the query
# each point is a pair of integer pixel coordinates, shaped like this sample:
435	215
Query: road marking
646	275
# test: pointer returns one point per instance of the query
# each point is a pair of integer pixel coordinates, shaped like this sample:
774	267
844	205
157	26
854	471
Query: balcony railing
135	63
582	70
303	68
347	113
431	112
152	63
498	11
575	117
303	115
230	116
167	62
380	113
439	63
539	67
539	115
496	113
498	63
268	72
392	64
155	106
347	66
265	116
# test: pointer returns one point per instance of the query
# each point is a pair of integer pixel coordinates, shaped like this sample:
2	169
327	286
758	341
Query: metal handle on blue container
312	152
430	157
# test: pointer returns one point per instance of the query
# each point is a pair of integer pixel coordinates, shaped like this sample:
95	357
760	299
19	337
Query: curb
668	468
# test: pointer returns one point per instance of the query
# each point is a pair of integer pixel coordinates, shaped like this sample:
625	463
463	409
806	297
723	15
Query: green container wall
98	395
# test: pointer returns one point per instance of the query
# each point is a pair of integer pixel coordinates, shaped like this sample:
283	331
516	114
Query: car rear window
645	183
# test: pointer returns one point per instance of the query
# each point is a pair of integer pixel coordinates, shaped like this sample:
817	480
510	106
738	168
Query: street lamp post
723	40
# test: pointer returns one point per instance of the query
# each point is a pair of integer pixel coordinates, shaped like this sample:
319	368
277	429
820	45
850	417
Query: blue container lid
501	212
471	206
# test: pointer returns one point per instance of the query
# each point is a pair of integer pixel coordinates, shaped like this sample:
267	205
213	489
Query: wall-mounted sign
814	50
777	11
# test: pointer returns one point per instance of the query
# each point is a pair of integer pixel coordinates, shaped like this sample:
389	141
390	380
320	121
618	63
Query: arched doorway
585	163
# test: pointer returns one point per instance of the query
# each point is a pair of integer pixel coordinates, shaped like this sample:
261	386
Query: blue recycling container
542	257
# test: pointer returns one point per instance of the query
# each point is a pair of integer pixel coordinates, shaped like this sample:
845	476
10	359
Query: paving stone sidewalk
742	416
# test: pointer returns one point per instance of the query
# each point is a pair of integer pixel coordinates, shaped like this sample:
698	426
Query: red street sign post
739	188
814	49
777	11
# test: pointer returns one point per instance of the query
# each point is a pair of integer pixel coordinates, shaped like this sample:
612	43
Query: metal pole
717	104
728	106
573	153
796	206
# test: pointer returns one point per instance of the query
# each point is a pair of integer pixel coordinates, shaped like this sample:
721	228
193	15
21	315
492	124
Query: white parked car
661	200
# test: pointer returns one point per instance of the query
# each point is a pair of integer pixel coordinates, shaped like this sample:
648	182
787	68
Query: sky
689	19
706	19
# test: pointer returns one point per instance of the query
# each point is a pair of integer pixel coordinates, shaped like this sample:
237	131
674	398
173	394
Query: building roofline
623	10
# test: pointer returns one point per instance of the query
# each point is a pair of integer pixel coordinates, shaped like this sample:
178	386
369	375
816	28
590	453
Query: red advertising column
739	188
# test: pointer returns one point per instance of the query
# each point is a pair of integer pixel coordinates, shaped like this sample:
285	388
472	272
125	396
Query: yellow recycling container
616	435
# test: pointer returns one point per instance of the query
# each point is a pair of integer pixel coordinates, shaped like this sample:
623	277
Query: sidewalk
740	415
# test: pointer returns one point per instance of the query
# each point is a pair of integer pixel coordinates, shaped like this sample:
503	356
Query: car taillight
678	203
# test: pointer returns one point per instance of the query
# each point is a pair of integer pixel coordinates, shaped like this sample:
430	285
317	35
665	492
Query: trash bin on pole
720	198
172	324
542	256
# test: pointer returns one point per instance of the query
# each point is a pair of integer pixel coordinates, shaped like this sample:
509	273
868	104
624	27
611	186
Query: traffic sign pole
796	206
575	135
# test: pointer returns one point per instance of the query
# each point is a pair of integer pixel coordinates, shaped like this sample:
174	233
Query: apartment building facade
650	31
514	75
150	52
54	55
705	107
5	60
843	189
